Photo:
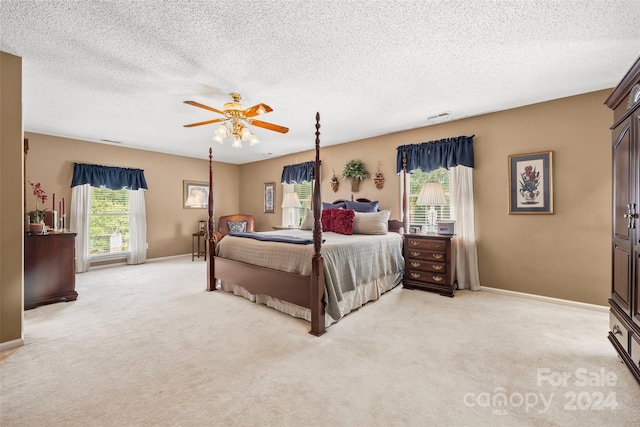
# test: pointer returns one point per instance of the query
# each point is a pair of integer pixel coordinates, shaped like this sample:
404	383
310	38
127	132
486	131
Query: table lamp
290	202
431	194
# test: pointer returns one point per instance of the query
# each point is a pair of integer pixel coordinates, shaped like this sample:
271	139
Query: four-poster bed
317	288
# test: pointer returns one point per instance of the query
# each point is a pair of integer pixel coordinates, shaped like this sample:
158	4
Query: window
108	222
304	194
417	213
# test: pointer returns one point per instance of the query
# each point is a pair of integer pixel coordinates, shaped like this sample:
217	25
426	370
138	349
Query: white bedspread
349	261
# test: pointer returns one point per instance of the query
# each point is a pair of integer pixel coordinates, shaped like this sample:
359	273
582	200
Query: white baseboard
10	345
569	303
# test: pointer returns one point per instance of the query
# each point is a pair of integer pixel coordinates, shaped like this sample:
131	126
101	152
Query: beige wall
11	202
169	226
564	255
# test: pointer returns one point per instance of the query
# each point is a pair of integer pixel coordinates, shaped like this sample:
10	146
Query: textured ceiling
120	70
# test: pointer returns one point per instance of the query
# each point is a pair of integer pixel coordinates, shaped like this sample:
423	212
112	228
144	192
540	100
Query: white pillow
371	222
307	224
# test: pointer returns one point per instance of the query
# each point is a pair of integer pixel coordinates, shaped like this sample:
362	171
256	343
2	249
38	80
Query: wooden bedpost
405	201
317	263
210	240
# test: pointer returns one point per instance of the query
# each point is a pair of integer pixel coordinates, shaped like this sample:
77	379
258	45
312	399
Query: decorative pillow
237	227
326	205
363	206
307	224
371	222
326	219
342	221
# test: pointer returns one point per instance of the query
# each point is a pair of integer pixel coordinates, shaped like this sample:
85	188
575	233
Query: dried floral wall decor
335	184
355	170
379	178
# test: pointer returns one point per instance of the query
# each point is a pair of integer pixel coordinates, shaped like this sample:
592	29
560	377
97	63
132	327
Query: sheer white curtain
461	197
137	228
79	223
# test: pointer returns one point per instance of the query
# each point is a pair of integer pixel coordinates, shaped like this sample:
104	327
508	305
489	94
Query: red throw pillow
342	221
325	219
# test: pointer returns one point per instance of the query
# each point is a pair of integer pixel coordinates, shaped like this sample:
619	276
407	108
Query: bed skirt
351	300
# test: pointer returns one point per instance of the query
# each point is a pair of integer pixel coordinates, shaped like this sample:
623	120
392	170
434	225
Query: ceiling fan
236	120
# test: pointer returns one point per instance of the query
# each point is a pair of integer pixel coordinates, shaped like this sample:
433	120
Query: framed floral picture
531	183
269	197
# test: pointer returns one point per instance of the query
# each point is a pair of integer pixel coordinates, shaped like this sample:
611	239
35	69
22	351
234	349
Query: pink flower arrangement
42	197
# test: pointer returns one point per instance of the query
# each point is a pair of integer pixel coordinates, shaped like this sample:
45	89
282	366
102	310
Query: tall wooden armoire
624	320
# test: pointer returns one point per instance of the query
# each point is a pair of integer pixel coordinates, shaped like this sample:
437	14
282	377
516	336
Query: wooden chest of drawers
429	263
49	268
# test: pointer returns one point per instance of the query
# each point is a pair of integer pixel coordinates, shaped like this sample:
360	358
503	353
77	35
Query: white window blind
304	194
108	222
417	213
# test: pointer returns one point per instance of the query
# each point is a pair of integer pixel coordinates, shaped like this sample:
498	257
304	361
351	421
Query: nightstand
430	263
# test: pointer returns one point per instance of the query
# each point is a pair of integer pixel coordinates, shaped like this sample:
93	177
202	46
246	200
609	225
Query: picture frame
531	183
269	197
195	194
415	229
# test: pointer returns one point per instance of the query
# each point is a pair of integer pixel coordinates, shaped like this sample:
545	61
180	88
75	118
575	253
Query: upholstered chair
237	222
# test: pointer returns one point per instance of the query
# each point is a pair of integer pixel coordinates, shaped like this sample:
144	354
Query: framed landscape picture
269	197
195	194
531	183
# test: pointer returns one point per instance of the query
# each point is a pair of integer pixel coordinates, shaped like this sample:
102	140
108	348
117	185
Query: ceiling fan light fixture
237	142
246	134
222	131
236	121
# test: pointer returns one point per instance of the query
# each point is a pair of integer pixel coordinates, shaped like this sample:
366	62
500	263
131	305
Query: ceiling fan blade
270	126
257	110
207	122
197	104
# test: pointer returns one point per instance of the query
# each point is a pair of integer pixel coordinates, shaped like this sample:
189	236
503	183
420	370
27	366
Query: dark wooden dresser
429	261
624	321
49	268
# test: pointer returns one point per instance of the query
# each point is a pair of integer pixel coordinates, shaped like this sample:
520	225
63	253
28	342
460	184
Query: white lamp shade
291	200
431	193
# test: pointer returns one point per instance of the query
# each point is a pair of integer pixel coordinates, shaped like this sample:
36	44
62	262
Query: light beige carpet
147	346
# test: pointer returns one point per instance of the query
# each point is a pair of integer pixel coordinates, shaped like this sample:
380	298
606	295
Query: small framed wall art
195	194
269	197
531	183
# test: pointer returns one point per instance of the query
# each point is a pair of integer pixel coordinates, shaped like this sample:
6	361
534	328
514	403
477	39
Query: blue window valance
445	153
114	178
298	173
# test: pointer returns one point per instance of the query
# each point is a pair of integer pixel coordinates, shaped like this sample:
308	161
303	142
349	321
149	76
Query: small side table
198	250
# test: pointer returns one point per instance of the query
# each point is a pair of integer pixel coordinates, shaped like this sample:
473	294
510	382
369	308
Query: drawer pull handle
437	278
415	275
616	330
415	253
437	245
414	242
415	264
438	256
437	267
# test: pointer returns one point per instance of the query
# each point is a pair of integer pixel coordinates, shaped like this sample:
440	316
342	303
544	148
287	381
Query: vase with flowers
37	216
529	181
